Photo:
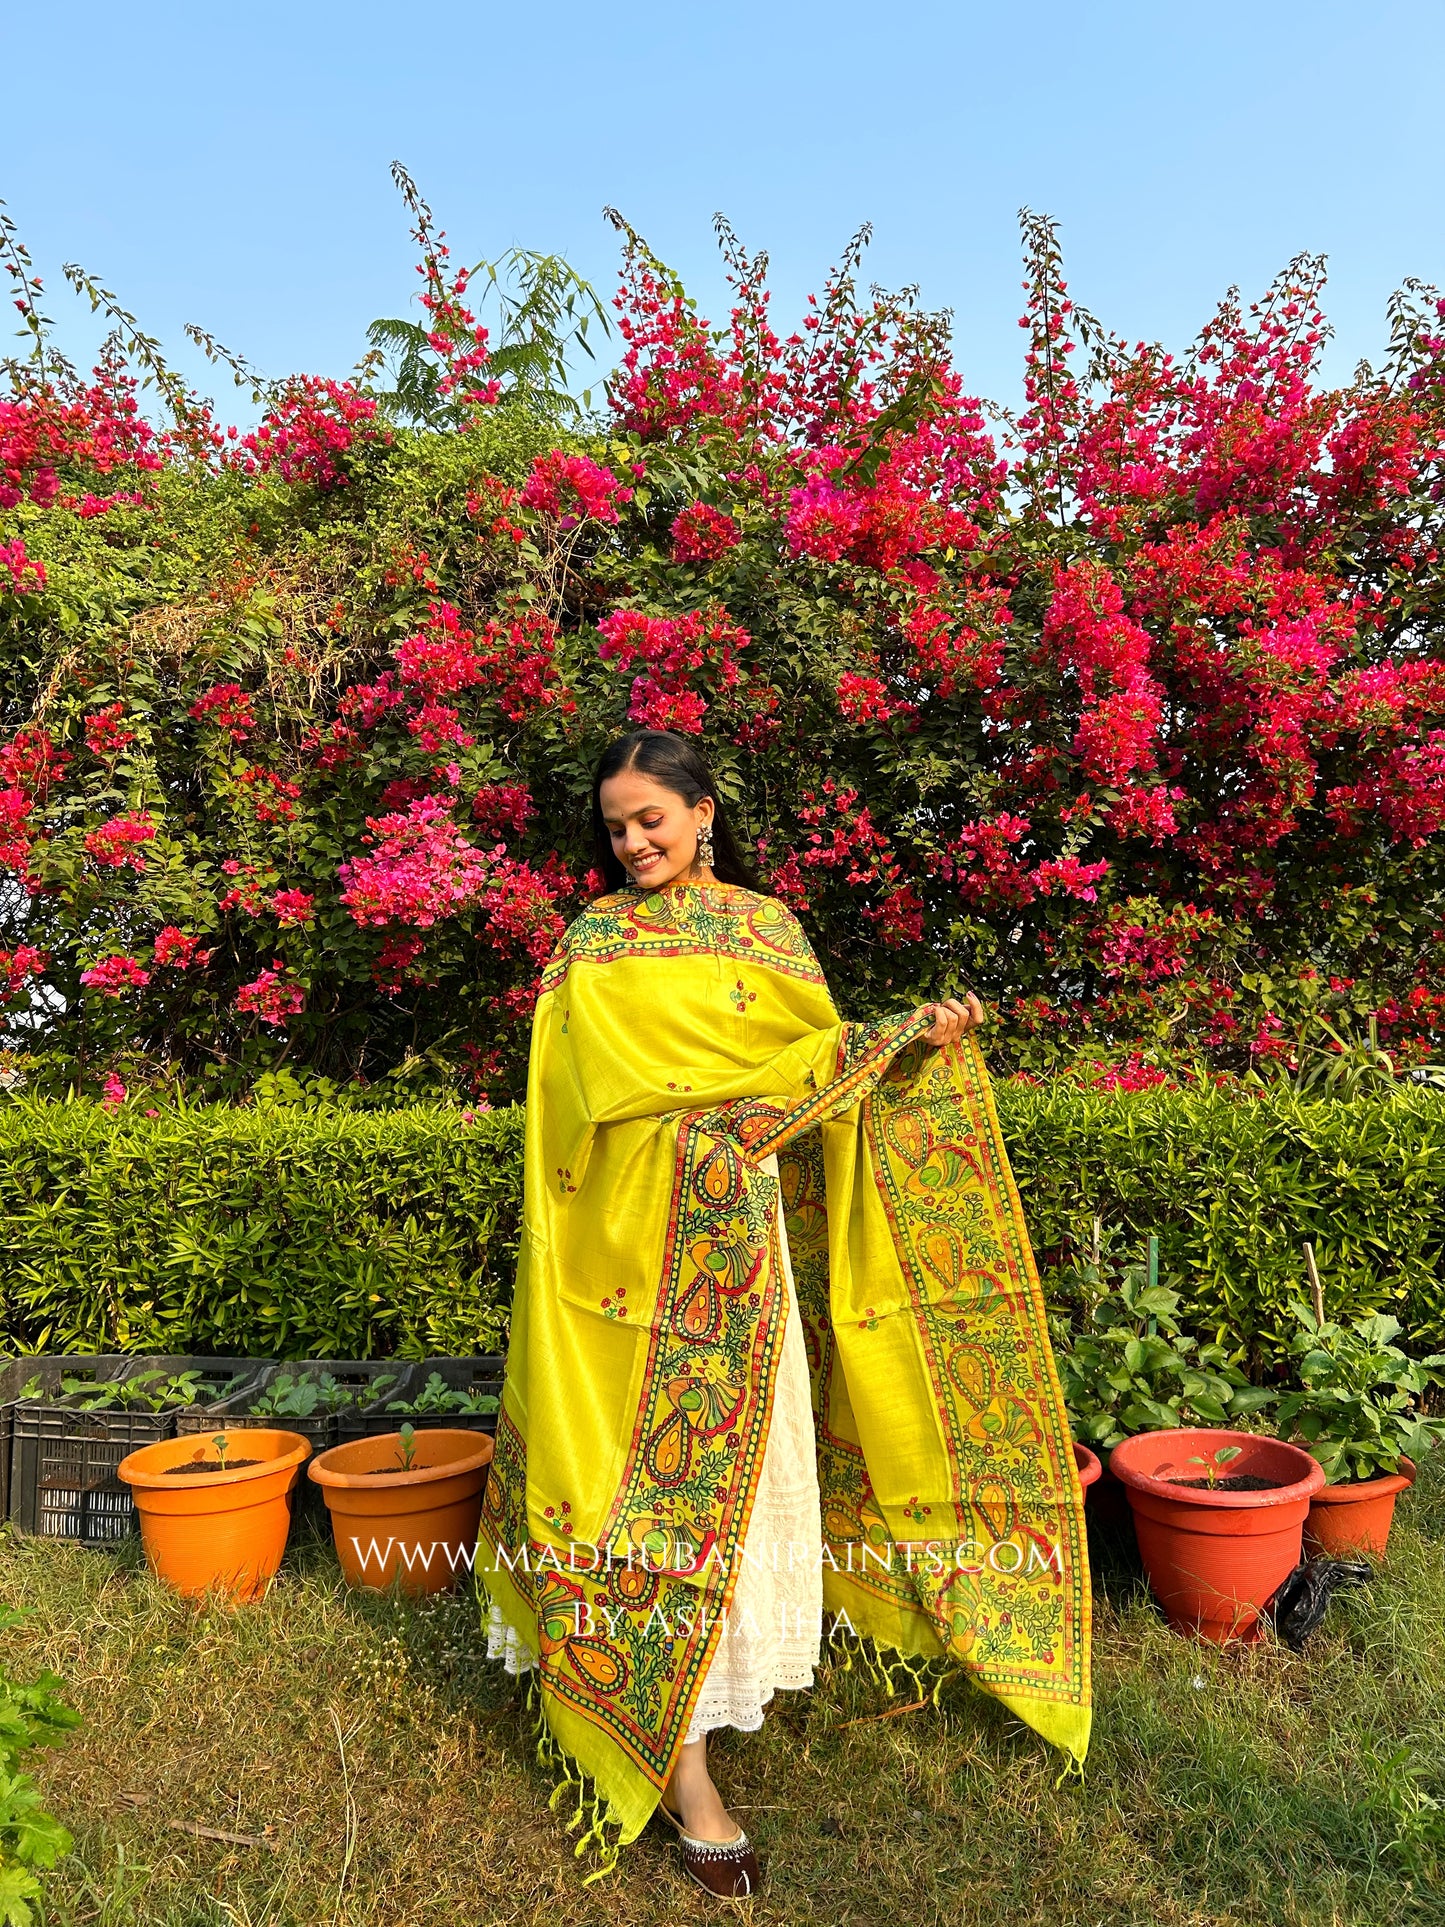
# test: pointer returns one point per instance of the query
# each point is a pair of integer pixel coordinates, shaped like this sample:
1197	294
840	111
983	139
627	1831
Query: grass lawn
383	1774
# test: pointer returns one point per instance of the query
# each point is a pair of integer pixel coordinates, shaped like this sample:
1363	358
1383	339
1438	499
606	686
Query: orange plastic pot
1213	1558
216	1529
1088	1464
1356	1518
415	1529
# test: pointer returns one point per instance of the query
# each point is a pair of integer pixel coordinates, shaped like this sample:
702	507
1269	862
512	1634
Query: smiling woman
777	1342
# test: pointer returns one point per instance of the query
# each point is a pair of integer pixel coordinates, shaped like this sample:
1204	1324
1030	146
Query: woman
777	1342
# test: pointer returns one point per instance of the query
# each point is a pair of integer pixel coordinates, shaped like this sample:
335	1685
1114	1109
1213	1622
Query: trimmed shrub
272	1232
1233	1187
331	1233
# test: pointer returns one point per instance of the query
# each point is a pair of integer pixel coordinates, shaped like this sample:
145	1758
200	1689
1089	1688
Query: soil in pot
211	1527
1214	1556
413	1527
193	1467
1236	1482
1356	1517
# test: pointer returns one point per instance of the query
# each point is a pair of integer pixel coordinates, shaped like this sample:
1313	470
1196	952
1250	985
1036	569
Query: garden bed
1225	1788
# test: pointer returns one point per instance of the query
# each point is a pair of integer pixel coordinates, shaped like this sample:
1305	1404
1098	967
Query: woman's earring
704	845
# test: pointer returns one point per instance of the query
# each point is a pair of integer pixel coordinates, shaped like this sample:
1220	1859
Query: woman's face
653	831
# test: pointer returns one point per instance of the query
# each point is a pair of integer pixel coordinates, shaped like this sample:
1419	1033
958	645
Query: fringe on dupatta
568	1777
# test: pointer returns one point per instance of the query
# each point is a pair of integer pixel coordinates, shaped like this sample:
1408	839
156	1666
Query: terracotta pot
1088	1464
1107	1499
1356	1518
223	1529
416	1529
1214	1558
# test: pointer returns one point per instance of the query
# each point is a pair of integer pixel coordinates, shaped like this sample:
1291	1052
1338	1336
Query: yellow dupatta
681	1035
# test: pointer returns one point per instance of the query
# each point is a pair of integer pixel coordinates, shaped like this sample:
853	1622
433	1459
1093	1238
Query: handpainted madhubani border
627	1648
696	920
957	1227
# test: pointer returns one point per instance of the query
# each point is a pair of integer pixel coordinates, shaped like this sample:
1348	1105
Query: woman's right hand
952	1019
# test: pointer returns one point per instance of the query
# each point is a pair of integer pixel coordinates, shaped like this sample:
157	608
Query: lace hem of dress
741	1704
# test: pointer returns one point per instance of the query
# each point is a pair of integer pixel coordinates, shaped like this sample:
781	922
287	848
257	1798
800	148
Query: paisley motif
668	1453
996	1507
720	1180
699	1314
910	1133
597	1663
634	1585
971	1369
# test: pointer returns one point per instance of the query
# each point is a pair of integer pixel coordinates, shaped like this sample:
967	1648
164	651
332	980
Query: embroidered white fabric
771	1638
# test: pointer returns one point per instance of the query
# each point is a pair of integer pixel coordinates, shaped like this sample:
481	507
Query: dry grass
385	1773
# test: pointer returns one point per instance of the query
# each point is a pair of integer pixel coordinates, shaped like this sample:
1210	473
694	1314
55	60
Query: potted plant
1219	1517
405	1506
1357	1411
216	1512
437	1399
1132	1368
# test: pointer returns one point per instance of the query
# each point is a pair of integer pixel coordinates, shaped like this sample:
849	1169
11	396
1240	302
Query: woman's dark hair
677	765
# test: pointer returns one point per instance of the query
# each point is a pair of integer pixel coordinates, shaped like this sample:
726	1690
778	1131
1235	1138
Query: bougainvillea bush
1127	710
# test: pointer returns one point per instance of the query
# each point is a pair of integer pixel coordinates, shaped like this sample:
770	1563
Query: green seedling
222	1445
436	1396
151	1391
407	1454
1214	1462
302	1396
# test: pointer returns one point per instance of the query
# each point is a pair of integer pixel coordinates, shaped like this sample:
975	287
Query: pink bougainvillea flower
420	869
228	707
105	733
273	996
175	950
113	975
119	844
573	488
290	907
703	534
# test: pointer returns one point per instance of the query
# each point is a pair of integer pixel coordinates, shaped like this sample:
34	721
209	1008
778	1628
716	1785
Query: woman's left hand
952	1018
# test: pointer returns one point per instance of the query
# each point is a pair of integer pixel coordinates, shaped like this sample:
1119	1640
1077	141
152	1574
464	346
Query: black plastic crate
472	1377
63	1483
63	1459
12	1377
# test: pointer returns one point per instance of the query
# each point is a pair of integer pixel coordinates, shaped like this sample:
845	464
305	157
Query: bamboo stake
1316	1288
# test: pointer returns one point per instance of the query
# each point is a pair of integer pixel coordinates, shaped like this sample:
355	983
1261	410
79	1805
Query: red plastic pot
1088	1464
1214	1558
1356	1518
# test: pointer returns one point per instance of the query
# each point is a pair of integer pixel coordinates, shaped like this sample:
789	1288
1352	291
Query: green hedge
265	1233
288	1232
1234	1186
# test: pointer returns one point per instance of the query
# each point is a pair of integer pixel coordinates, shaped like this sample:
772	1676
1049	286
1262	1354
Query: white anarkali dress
772	1634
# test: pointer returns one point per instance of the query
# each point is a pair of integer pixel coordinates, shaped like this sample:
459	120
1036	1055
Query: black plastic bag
1300	1603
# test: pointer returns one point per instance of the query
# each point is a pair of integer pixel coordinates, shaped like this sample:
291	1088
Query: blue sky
230	166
